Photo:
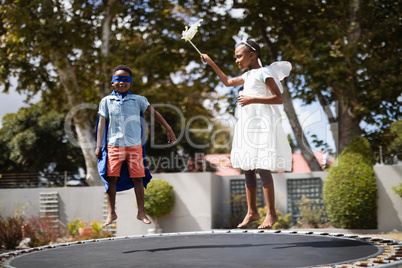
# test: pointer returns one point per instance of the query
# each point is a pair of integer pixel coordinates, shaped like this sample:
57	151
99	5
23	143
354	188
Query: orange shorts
133	155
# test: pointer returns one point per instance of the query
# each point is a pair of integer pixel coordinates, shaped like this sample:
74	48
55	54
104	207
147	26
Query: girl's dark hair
251	43
123	68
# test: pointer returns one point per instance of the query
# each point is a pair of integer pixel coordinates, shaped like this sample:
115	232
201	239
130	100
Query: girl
259	142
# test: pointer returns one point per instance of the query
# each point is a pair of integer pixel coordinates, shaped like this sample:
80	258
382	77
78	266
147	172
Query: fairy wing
280	70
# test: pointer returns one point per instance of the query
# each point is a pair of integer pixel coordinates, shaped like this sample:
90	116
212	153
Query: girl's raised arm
229	82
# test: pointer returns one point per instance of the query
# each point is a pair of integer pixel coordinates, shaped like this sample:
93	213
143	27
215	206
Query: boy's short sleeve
143	103
264	74
103	109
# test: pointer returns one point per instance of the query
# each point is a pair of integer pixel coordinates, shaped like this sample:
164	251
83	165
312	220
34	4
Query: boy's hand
98	152
171	137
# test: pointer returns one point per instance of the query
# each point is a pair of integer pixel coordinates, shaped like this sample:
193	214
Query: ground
393	235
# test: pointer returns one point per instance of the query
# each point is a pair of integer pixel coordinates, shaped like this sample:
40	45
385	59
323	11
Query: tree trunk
332	119
347	122
86	135
301	140
105	47
78	112
84	130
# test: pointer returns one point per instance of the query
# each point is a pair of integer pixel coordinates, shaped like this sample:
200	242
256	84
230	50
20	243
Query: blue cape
124	182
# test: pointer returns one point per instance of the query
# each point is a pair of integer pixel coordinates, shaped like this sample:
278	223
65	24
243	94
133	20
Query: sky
313	121
312	118
12	102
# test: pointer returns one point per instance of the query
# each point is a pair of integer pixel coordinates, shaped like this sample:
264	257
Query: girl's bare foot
250	217
143	218
269	221
110	219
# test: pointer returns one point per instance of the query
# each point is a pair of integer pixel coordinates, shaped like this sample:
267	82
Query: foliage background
343	56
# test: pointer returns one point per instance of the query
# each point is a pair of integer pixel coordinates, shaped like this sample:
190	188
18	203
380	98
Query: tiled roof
222	164
299	165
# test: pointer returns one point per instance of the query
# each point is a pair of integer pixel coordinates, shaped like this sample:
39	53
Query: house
224	168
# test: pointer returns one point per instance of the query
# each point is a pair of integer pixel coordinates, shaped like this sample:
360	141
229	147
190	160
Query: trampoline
236	248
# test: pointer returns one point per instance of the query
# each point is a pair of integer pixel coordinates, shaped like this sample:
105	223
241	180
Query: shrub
42	231
398	189
159	199
11	232
74	225
97	229
239	207
282	223
239	201
310	212
350	190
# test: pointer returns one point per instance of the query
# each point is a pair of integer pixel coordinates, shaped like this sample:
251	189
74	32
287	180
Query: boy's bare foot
143	218
250	217
269	221
110	219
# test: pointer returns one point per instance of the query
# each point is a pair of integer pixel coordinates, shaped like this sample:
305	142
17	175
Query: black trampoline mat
204	250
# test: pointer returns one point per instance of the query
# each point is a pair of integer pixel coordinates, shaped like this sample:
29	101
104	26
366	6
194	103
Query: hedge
159	199
350	190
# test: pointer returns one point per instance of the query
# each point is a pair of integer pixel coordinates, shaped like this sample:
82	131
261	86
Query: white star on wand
188	34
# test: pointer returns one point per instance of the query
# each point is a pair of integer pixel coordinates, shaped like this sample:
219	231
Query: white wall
76	202
202	201
280	184
389	212
196	195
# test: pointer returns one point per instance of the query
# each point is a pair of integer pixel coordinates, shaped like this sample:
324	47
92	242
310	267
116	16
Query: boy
121	114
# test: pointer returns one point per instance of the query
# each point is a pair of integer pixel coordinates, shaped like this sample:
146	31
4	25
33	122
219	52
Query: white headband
244	41
247	44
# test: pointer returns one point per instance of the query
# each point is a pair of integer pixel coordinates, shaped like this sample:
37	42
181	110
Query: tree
350	62
33	140
394	149
43	47
67	49
343	53
257	17
396	144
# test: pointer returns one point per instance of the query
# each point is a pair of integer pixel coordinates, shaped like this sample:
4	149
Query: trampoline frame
389	254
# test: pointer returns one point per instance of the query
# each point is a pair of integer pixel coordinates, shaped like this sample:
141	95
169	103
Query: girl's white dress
259	141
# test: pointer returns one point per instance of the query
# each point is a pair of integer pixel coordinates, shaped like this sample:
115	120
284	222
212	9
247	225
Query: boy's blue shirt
124	182
124	118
